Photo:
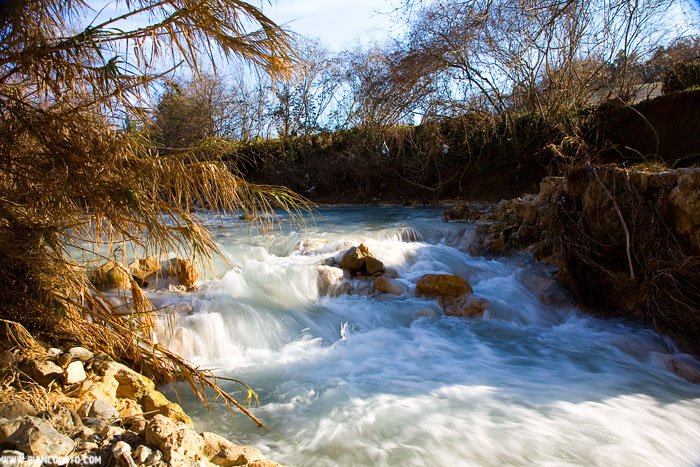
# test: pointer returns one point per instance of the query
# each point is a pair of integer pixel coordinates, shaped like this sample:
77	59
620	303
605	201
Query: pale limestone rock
80	353
220	451
75	373
122	454
141	454
178	442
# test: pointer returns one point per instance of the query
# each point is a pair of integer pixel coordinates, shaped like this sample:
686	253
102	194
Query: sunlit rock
182	269
220	451
178	442
145	269
442	286
359	261
111	275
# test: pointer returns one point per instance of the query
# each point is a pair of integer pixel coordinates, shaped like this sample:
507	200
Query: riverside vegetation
618	213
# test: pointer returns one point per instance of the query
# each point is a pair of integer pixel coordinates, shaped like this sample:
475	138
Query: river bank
72	407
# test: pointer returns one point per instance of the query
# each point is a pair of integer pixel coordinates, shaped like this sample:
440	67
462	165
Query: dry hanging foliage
73	180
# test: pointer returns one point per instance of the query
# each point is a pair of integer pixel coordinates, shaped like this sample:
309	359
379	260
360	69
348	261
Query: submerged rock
384	284
442	286
466	306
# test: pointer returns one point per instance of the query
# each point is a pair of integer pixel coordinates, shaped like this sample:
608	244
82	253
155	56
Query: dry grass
71	179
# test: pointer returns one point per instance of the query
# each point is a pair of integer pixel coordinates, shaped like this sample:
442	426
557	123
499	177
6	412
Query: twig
622	222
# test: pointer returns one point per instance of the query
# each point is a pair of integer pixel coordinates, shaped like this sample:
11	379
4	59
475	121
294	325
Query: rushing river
389	380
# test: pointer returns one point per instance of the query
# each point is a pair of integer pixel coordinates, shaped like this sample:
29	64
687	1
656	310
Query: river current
376	379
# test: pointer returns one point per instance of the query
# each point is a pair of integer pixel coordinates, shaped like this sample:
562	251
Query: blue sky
338	23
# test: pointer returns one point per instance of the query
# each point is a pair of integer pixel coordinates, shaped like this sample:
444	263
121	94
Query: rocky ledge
71	407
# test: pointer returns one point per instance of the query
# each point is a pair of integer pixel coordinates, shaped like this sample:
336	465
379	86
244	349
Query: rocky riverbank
72	407
625	241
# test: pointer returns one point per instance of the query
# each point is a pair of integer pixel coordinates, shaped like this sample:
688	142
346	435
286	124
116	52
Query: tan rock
111	275
37	437
132	385
104	388
442	285
44	372
373	266
220	451
16	409
179	443
144	269
8	427
184	270
156	402
358	260
384	284
128	408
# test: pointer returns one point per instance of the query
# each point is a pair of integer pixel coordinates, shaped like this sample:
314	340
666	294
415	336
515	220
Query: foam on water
389	380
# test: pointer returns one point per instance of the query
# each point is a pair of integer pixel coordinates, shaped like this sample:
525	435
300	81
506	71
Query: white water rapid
389	380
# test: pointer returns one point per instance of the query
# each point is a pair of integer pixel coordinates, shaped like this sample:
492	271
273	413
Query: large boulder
178	442
359	261
156	403
220	451
111	275
442	286
36	437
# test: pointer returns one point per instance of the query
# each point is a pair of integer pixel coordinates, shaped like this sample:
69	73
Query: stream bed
377	379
